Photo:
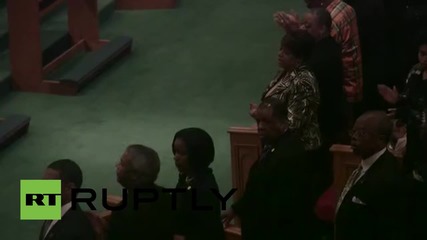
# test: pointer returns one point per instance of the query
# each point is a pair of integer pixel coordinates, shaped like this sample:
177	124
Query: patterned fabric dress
298	89
345	31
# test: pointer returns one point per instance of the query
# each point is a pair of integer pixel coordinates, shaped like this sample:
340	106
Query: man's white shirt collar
367	163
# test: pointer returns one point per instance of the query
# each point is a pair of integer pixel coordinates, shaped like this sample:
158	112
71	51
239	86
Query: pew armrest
113	200
233	233
106	215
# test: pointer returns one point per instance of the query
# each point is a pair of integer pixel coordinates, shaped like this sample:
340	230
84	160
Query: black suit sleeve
115	225
290	207
392	211
207	222
80	230
240	206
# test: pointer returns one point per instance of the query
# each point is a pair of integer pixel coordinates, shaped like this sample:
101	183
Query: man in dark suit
74	224
326	64
372	204
138	169
276	203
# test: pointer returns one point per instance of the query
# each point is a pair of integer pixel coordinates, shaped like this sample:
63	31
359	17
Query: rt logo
40	199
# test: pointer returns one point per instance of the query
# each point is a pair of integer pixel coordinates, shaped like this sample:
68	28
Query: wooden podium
345	162
245	150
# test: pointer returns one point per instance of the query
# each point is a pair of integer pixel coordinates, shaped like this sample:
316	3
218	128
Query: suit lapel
57	226
371	173
362	189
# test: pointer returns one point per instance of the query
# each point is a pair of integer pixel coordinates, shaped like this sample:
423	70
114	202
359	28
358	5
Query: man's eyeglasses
358	133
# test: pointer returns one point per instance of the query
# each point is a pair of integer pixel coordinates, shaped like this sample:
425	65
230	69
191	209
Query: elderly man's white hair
144	163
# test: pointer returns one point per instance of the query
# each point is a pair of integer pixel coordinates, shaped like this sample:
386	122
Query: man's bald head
371	133
139	166
380	123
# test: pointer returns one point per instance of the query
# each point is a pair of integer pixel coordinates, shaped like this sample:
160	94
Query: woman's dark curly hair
300	44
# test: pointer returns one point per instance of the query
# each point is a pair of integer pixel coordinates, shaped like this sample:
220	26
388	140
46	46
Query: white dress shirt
64	210
367	163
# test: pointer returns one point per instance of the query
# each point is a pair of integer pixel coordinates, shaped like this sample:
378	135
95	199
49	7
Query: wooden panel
83	20
245	149
24	44
345	162
233	233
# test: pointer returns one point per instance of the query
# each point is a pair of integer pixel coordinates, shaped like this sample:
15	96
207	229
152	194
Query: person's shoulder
79	222
417	69
327	49
304	76
390	167
75	214
206	180
332	44
291	142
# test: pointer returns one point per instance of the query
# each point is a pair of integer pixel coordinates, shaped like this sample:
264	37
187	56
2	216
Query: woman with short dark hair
296	86
194	151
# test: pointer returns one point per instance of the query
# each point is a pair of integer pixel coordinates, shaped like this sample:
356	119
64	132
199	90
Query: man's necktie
350	182
265	152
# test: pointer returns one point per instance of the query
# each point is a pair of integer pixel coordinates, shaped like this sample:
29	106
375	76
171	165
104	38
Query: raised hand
390	95
280	18
288	21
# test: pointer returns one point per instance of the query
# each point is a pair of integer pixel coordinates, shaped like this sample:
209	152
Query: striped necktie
265	152
350	182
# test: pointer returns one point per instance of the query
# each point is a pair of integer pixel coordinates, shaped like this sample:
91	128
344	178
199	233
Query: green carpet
198	65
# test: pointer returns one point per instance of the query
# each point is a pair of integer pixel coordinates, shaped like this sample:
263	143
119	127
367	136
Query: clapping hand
390	95
288	21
